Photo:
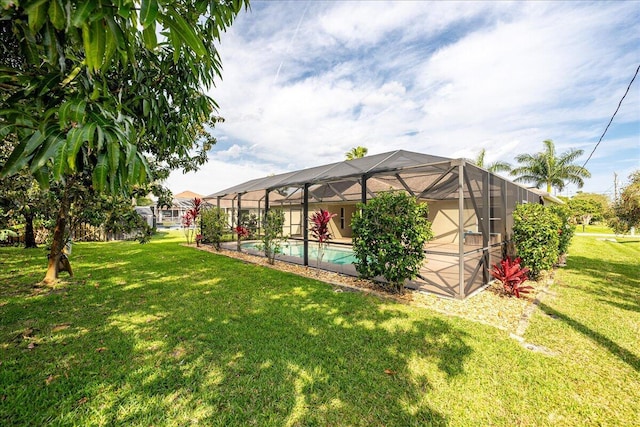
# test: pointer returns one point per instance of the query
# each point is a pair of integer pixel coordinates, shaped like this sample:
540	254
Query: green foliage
127	220
271	240
144	232
250	223
588	207
567	229
22	200
101	94
536	237
214	225
389	234
497	166
356	152
87	89
545	168
144	201
626	209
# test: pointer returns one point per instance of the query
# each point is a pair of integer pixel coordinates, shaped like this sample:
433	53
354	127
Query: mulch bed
491	307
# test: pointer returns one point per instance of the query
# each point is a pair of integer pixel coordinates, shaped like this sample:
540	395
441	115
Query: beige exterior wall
444	221
335	228
442	214
292	221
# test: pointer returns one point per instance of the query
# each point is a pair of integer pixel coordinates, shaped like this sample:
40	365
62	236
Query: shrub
190	219
271	241
250	223
512	275
626	209
241	233
144	232
213	223
567	228
389	234
535	235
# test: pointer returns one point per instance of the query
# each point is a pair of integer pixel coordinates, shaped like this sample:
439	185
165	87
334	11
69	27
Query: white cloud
216	176
445	78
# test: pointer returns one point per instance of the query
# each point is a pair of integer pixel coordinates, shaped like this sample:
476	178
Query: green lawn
594	228
161	334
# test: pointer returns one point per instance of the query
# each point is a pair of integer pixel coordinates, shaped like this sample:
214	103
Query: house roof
549	198
385	162
187	195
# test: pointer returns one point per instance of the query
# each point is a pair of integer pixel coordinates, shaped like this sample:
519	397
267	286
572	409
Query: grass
162	334
594	228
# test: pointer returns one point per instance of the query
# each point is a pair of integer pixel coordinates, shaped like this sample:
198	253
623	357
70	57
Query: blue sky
304	82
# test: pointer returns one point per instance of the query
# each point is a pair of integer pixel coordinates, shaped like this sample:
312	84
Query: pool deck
439	274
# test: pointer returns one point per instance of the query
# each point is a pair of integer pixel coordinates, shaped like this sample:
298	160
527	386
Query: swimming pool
333	254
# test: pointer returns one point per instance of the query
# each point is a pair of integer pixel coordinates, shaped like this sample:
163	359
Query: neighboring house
171	216
471	209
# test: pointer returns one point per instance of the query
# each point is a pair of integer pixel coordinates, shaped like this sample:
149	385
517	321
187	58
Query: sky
304	82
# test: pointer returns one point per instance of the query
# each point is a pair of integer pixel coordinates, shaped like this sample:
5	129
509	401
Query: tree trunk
29	235
58	238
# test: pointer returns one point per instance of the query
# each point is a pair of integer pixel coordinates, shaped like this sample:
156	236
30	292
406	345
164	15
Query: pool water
332	254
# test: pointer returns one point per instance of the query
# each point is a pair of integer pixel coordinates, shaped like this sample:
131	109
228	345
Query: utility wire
614	114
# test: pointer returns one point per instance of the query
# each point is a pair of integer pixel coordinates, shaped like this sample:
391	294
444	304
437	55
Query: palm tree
356	153
545	168
494	167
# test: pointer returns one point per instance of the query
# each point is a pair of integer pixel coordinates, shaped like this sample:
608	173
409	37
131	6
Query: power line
614	114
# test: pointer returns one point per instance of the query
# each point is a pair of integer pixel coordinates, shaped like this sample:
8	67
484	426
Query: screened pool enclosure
470	210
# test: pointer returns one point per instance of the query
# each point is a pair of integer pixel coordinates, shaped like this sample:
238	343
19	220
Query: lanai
470	209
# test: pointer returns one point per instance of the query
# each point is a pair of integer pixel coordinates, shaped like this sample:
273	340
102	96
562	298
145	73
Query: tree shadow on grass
616	280
226	343
622	353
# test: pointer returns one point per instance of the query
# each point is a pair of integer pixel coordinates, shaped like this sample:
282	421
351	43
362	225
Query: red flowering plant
187	225
190	219
320	231
242	232
512	275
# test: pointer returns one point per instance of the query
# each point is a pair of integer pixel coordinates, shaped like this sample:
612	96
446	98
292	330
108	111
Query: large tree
21	198
94	89
626	209
497	166
546	168
587	207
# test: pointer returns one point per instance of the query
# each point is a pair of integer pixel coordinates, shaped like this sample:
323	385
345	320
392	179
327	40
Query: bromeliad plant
512	275
320	231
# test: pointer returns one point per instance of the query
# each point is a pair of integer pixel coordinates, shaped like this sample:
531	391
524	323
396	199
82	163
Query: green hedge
567	228
536	237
